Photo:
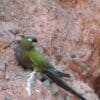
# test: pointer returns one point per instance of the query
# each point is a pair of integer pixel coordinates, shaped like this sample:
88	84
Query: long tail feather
62	84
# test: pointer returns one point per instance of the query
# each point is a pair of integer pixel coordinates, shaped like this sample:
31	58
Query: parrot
29	57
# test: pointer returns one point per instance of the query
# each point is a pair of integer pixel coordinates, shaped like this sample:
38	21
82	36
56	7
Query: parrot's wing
35	64
59	73
49	66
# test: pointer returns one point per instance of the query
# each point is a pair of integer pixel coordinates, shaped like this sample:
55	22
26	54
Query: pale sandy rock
3	65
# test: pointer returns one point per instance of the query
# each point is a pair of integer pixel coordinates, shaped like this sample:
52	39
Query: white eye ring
30	40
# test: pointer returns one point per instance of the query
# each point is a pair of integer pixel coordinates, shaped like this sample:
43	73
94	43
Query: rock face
65	29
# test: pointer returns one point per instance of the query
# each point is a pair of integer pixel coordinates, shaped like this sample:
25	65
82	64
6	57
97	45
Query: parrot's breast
37	59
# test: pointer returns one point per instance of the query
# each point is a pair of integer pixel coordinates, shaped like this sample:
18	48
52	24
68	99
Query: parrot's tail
62	84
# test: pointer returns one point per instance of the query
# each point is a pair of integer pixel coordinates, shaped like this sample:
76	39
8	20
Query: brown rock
63	28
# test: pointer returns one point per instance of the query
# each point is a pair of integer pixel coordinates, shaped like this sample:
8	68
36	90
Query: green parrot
29	57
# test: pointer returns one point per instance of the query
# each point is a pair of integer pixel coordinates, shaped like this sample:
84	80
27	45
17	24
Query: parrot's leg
29	81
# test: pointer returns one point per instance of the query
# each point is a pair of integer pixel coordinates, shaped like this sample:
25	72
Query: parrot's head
28	42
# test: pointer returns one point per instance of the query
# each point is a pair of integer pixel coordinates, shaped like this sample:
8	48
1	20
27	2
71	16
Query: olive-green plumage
28	56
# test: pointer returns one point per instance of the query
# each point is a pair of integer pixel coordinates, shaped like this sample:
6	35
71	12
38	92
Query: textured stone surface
63	28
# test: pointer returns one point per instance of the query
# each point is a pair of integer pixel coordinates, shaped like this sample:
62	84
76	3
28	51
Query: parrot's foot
29	81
